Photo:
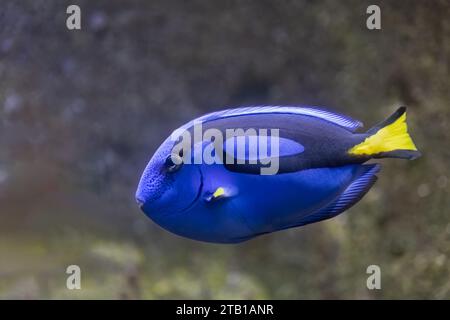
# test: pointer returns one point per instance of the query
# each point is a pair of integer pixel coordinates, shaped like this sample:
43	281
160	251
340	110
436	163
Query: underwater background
81	112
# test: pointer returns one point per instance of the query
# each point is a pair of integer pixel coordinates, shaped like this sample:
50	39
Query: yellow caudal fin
388	139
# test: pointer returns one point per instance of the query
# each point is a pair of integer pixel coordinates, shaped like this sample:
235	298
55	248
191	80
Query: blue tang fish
320	173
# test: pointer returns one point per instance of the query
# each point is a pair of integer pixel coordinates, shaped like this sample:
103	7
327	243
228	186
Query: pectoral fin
219	193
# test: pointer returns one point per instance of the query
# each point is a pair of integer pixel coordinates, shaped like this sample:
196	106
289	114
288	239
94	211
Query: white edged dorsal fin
340	120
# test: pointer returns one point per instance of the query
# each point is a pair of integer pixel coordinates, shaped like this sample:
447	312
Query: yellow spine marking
392	137
219	192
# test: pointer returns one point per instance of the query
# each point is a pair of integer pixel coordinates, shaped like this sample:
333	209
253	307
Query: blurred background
81	113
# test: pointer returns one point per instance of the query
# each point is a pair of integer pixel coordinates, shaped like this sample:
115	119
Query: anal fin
354	192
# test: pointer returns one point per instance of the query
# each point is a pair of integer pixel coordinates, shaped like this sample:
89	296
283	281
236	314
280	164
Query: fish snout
151	186
149	191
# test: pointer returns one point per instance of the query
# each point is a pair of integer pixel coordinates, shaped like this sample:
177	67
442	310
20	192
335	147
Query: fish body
320	173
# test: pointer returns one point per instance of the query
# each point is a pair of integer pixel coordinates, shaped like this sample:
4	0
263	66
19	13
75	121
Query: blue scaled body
321	174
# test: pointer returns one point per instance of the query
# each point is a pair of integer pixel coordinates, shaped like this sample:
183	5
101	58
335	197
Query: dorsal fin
340	120
332	117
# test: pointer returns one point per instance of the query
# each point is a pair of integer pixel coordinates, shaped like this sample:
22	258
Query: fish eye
173	163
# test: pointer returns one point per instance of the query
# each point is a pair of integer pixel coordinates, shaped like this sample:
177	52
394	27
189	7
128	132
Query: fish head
167	185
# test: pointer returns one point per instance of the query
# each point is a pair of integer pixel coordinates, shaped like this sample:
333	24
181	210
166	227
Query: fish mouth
140	202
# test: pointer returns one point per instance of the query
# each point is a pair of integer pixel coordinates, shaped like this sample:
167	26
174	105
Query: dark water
82	111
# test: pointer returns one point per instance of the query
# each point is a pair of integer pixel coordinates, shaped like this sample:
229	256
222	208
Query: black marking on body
325	143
